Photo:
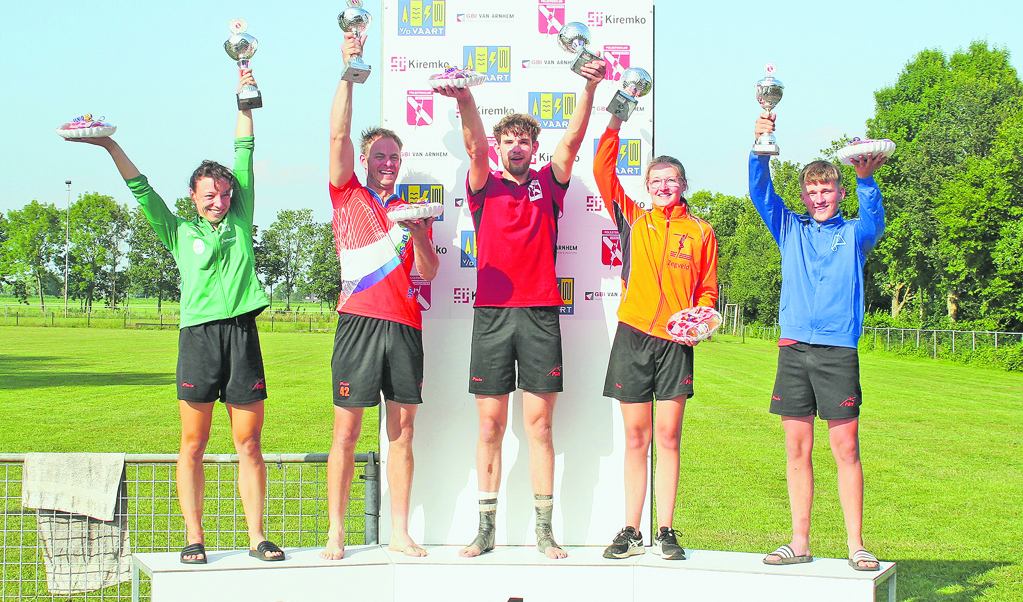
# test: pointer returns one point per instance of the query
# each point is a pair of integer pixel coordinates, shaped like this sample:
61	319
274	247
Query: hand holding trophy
573	39
769	92
355	19
240	47
636	82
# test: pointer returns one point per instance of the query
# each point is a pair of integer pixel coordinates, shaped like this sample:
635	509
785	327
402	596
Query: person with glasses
669	263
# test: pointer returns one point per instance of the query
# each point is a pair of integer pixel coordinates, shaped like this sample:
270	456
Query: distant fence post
372	477
934	353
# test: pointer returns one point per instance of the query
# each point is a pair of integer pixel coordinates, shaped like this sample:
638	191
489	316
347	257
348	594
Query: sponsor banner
597	18
405	63
552	109
420	107
425	155
423	193
468	248
463	295
568	249
567	287
594	203
600	295
421	17
484	17
630	156
617	58
422	290
547	63
550	16
610	248
492	61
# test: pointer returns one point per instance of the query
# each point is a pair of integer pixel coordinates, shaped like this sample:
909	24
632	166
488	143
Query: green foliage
34	237
323	277
152	270
99	229
290	240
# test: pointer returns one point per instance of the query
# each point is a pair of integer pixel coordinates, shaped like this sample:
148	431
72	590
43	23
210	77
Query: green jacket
217	267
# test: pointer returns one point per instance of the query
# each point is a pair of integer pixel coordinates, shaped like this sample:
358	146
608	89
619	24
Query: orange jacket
669	257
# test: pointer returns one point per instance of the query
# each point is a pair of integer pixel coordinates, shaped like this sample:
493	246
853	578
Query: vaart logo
567	287
423	292
422	193
468	248
552	109
551	15
492	61
629	157
420	107
610	248
617	59
421	17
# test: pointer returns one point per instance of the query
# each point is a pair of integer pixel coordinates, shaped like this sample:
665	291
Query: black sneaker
628	542
666	545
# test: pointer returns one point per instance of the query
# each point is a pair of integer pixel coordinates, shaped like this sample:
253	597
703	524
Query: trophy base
356	71
622	105
249	99
765	149
584	56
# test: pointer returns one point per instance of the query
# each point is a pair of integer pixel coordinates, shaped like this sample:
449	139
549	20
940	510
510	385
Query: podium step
376	574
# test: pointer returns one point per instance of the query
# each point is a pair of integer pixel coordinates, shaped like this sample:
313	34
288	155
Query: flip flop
864	556
193	549
787	555
267	546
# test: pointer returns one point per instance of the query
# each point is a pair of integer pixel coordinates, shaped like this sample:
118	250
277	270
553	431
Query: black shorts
221	360
817	379
644	367
373	355
503	335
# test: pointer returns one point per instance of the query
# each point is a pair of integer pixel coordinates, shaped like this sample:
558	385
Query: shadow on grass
947	580
33	372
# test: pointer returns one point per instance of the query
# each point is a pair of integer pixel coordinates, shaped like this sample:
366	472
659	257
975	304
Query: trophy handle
249	97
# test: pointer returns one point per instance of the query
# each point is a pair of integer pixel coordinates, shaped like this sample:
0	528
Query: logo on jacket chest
680	253
837	241
535	190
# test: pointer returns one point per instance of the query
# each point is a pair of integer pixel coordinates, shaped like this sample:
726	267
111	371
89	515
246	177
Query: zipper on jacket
217	256
660	273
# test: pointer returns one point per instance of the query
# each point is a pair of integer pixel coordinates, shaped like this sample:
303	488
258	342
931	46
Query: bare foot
555	552
406	546
335	550
470	551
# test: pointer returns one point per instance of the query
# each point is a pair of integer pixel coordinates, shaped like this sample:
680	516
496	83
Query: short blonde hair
371	135
819	172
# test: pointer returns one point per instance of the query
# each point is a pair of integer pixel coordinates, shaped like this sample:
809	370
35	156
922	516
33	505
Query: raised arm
427	261
871	223
473	135
608	183
244	127
121	160
768	204
342	151
568	148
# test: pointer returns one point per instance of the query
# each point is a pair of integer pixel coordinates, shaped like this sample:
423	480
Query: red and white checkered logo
617	58
551	16
420	107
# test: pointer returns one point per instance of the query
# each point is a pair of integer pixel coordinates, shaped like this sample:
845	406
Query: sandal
863	556
787	555
193	549
266	546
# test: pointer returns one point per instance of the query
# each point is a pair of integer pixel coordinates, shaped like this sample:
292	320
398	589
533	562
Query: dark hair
517	124
211	169
371	135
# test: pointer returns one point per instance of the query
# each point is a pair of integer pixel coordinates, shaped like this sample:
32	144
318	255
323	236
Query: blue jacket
821	264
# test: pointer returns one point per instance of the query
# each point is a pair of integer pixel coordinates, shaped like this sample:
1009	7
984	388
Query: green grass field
941	444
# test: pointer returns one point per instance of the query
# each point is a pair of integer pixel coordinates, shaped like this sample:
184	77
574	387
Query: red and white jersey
376	257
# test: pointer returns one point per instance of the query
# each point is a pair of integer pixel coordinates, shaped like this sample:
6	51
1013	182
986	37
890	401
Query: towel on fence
77	483
81	552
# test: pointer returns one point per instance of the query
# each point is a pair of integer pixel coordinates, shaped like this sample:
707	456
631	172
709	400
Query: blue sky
160	74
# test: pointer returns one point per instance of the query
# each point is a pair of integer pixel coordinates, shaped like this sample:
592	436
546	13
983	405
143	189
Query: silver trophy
357	19
636	82
240	47
769	92
573	39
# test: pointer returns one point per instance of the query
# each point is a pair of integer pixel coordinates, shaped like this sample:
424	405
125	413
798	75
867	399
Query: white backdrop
514	43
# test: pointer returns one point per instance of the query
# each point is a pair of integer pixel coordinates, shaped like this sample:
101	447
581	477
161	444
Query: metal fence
143	317
295	515
938	342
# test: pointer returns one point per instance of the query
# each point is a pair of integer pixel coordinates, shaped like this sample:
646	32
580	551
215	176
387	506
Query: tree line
952	251
111	251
